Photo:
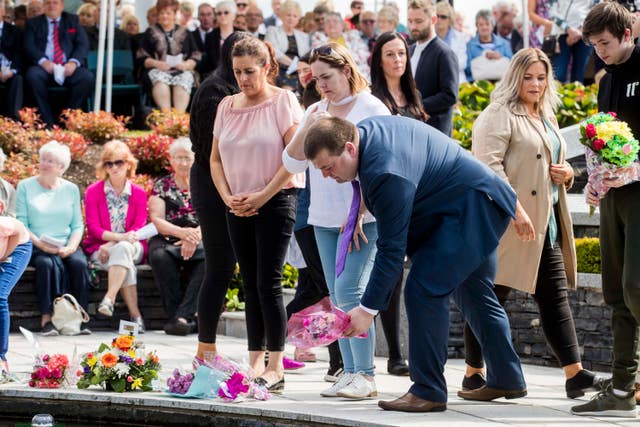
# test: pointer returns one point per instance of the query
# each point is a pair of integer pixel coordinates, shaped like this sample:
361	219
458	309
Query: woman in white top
346	95
288	43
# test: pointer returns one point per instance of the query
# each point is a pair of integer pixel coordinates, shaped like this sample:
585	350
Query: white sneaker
343	381
359	388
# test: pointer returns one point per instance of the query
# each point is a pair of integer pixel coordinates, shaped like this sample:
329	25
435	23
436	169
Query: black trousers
15	95
555	314
218	253
260	244
81	84
169	274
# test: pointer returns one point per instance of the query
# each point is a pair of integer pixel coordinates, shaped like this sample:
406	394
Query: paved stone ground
302	404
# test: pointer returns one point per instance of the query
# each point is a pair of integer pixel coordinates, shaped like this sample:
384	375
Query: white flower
121	369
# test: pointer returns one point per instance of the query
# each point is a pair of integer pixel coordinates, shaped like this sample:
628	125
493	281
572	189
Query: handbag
550	45
483	68
68	315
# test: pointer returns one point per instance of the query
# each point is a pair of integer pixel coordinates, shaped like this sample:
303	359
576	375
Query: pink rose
613	114
598	144
626	148
590	130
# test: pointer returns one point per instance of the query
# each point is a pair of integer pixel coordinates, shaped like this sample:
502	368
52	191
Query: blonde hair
507	92
389	13
288	6
87	7
116	150
443	7
341	58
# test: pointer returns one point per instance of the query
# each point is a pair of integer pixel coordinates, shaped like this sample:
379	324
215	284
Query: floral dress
178	208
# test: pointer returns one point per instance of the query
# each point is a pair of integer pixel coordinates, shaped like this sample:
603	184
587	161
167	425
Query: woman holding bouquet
250	131
517	136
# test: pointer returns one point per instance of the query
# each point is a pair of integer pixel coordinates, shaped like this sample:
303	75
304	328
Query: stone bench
23	303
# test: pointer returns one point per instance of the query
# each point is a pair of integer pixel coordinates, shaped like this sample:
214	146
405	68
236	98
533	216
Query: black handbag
550	46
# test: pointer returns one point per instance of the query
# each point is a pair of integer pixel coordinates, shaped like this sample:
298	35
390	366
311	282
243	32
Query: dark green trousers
620	252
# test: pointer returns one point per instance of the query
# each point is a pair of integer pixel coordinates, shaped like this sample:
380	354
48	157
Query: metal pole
525	23
110	37
97	99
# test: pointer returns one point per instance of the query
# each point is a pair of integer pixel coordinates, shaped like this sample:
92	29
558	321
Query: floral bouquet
121	366
318	325
49	371
203	382
611	153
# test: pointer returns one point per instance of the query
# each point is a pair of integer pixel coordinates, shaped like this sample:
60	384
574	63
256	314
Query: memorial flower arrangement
49	371
612	151
121	366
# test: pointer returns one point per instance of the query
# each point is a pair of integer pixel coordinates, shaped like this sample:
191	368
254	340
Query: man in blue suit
447	211
57	38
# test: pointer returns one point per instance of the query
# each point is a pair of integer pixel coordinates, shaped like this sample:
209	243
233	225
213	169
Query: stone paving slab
301	404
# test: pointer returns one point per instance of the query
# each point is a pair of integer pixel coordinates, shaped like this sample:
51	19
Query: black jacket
437	80
121	40
211	52
11	46
620	91
73	38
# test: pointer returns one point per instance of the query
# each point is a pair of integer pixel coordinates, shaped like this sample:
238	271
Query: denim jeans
578	55
11	270
345	291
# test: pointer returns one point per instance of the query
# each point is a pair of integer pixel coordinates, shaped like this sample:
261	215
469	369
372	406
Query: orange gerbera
124	342
109	360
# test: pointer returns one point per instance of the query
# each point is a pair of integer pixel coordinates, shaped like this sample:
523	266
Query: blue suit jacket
432	200
73	38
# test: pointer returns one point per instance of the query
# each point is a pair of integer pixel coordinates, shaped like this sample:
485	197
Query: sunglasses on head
222	12
116	163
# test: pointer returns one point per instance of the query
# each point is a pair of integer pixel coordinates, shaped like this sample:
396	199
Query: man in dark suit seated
206	16
57	38
434	66
447	211
10	61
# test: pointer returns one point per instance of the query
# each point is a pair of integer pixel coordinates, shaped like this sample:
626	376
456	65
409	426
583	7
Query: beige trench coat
518	149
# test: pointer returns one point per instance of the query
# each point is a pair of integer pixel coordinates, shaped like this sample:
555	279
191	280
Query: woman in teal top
518	137
49	206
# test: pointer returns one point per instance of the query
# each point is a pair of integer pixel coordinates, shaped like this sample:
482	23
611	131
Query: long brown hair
260	50
337	56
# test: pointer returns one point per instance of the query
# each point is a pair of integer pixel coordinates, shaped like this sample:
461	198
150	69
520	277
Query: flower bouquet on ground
203	382
121	366
611	153
49	371
318	325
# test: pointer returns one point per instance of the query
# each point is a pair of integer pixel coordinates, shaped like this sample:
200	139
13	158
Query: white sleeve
293	165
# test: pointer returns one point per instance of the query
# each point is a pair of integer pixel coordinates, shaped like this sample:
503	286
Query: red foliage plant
152	152
98	127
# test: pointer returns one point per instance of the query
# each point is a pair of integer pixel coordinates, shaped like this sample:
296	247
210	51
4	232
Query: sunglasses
443	17
116	163
222	12
242	4
369	21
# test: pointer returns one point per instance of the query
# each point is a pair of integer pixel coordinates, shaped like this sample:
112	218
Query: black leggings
260	243
391	322
218	253
553	304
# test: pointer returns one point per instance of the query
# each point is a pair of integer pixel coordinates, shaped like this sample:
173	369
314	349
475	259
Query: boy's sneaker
607	404
343	381
359	388
333	374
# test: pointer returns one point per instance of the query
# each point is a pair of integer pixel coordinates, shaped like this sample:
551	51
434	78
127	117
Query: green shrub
588	253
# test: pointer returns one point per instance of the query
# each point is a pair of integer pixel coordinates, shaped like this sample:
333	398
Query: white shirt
330	201
415	58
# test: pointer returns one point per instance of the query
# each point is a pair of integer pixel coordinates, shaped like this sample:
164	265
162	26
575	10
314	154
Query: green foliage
234	297
588	254
233	301
577	103
289	276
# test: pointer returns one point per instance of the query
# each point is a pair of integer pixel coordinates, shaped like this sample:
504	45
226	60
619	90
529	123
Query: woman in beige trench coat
517	136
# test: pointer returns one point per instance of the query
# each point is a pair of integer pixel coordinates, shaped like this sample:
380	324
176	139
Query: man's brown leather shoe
487	393
412	403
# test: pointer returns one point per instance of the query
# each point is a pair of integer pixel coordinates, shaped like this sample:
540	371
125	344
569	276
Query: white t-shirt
330	201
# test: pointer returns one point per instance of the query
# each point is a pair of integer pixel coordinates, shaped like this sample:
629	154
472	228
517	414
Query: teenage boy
608	28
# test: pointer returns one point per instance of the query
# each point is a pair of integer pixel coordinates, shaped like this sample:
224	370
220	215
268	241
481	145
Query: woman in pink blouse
115	209
250	131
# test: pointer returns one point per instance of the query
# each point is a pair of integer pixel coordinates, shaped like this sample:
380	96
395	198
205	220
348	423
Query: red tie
58	55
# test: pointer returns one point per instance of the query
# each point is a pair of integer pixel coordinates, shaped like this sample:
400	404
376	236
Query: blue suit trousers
428	316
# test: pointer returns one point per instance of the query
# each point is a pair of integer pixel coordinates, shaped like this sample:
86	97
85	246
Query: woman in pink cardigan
115	209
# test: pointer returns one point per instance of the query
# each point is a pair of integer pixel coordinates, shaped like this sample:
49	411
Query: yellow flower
136	384
91	362
131	353
607	130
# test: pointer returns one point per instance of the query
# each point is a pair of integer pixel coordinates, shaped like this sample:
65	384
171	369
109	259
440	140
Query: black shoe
48	330
473	382
84	329
584	381
333	374
275	388
177	328
397	367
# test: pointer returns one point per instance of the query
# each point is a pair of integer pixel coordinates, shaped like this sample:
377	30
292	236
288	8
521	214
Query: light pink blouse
251	140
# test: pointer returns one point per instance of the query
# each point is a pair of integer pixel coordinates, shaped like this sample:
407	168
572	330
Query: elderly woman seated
49	206
115	209
7	192
169	54
178	247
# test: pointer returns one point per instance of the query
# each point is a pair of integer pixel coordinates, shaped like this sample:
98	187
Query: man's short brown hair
330	133
426	6
610	16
